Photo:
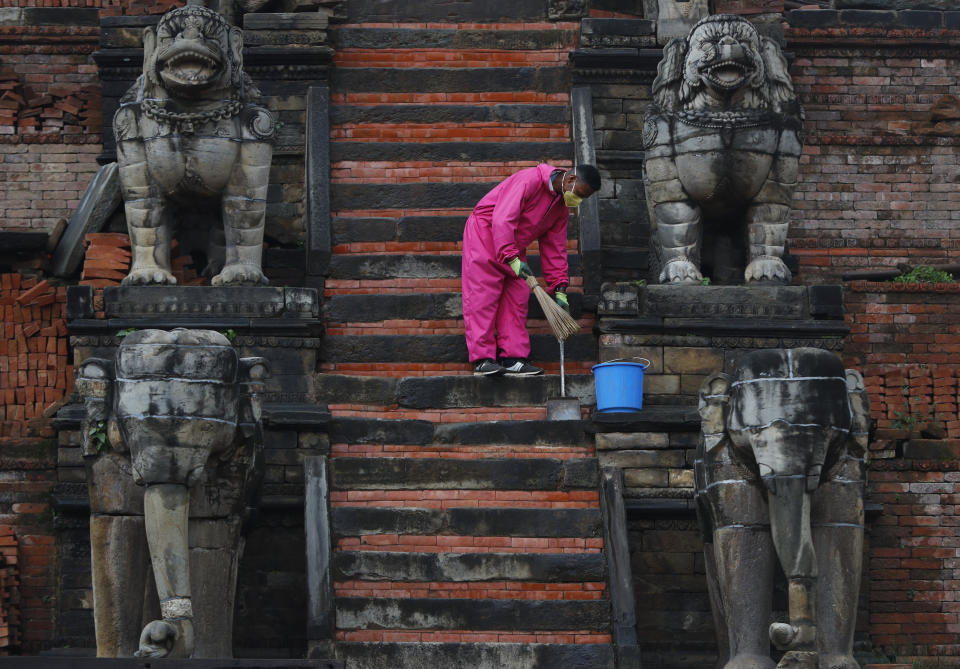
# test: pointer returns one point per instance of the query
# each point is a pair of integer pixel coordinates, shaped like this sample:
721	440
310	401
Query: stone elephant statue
172	443
779	474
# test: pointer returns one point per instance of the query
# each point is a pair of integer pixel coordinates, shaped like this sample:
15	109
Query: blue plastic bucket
619	385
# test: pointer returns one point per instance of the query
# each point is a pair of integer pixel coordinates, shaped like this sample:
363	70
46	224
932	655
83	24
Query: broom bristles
562	323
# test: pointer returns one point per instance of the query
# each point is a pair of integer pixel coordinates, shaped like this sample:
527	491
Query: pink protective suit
521	209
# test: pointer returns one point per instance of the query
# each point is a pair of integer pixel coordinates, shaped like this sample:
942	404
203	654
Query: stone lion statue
190	140
722	139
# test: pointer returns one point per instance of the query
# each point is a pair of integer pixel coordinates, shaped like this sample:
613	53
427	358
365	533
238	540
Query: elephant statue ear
860	421
94	383
713	408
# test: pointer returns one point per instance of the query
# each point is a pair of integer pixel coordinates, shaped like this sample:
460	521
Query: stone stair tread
416	306
423	432
449	392
477	655
440	228
349	521
402	613
415	266
398	473
443	348
468	567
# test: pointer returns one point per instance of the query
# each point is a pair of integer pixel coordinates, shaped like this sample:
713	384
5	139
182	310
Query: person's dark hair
589	175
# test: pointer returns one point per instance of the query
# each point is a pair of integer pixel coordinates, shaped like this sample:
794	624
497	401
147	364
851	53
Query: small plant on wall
925	274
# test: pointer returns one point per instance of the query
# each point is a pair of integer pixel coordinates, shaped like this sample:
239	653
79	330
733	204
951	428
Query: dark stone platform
46	662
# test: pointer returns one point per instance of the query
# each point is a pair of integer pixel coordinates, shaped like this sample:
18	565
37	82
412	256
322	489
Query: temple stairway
467	527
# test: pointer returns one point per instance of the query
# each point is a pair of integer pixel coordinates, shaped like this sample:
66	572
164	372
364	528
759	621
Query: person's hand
520	268
561	299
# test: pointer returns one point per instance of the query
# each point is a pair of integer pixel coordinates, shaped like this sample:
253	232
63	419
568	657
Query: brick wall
878	183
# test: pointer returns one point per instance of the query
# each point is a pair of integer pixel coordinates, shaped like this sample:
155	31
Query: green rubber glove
561	299
520	268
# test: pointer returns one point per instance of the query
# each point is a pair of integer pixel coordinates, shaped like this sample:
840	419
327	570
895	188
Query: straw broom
562	323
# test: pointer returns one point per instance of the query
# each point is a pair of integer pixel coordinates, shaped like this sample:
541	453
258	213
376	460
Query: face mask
571	199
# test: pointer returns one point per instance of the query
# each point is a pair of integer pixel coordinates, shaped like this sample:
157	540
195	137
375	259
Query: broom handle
563	379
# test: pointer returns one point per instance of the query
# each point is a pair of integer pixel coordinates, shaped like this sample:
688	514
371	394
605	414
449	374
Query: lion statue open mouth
192	142
722	143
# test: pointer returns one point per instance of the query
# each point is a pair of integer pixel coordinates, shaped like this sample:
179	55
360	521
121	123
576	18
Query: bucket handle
645	363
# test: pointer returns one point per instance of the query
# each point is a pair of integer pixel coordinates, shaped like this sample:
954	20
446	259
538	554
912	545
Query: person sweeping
530	205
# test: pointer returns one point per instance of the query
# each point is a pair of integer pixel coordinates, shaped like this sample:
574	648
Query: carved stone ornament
191	139
675	18
172	444
559	10
779	474
722	142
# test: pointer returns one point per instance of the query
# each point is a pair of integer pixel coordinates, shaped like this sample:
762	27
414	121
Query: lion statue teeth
722	141
191	142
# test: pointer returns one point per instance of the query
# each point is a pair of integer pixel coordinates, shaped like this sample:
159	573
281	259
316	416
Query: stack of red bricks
11	99
107	259
9	591
34	373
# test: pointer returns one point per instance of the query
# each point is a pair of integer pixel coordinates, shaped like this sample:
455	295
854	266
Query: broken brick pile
34	372
59	109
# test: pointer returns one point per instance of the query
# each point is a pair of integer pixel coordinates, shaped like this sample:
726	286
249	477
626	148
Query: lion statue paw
239	275
681	271
767	269
154	276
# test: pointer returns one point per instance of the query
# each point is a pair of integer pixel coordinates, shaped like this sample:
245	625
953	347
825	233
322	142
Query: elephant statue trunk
782	442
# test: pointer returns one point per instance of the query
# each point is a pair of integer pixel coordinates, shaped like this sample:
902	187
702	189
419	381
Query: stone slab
445	473
478	655
532	432
471	614
450	151
47	662
444	348
497	522
285	21
99	200
468	567
471	391
208	301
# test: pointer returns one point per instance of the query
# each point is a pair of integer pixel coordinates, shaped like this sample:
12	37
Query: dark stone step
428	307
420	266
452	474
441	152
450	79
444	348
456	11
348	229
501	113
471	614
421	432
448	392
67	661
466	521
356	389
380	431
477	655
465	567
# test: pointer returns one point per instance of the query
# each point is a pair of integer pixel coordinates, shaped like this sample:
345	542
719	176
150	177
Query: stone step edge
482	655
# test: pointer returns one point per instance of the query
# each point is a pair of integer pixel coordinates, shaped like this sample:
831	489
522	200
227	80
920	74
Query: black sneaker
519	367
487	367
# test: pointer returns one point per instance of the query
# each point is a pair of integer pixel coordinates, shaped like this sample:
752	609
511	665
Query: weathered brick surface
876	188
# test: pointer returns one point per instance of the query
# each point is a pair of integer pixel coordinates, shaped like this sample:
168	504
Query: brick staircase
467	528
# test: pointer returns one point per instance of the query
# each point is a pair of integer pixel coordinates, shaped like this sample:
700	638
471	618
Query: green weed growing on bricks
925	274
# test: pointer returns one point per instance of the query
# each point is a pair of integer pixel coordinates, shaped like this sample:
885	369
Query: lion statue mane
722	141
194	148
